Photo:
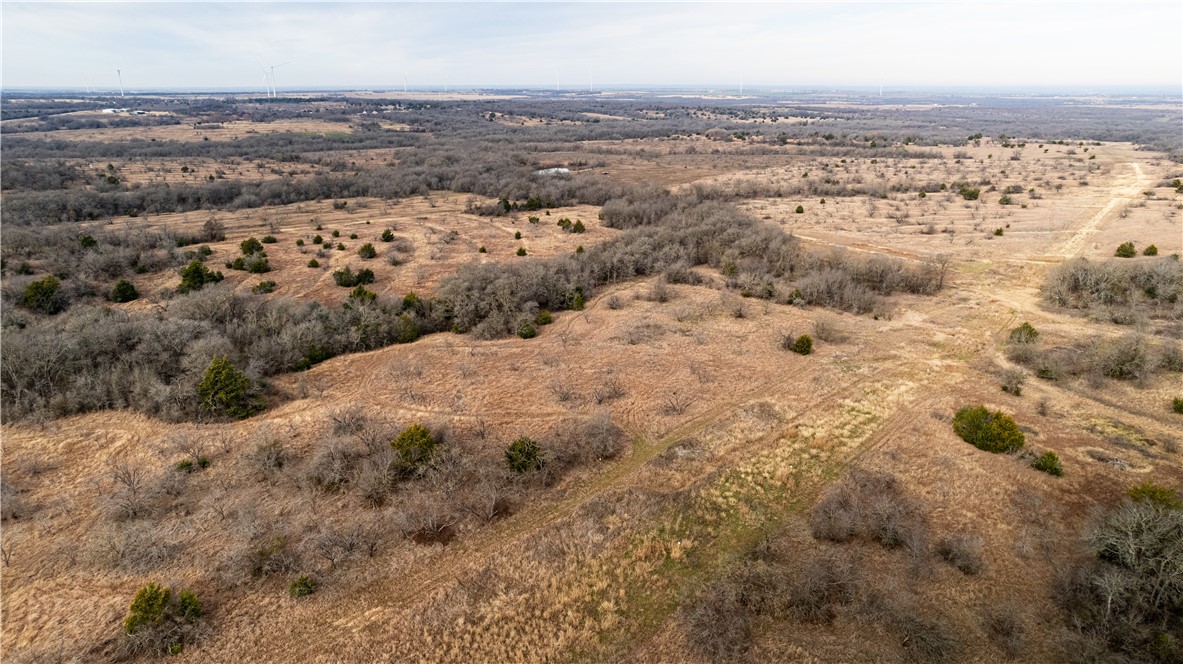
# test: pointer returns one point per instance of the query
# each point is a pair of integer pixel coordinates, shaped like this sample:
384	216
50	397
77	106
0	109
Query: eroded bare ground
731	438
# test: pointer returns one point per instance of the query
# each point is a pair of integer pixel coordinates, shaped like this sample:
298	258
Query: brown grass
598	564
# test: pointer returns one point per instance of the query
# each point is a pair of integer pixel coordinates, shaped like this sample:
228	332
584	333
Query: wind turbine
275	93
404	83
266	77
119	73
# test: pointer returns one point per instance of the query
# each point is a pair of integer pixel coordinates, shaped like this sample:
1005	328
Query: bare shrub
602	439
660	291
337	545
675	403
562	390
332	464
130	487
427	518
1013	380
267	457
829	579
1132	585
11	505
1004	626
962	551
581	441
717	625
377	476
186	445
348	421
490	495
870	505
925	639
609	389
829	329
265	556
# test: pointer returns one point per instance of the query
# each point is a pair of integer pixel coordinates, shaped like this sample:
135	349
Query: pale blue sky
502	44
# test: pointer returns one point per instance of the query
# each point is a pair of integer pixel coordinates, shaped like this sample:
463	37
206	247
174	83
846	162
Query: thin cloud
492	44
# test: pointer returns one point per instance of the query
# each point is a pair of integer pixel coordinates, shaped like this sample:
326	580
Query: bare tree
130	486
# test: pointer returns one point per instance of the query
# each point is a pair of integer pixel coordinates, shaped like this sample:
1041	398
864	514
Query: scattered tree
45	295
225	391
989	431
195	276
523	455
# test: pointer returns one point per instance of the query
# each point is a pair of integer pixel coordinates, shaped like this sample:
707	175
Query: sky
577	45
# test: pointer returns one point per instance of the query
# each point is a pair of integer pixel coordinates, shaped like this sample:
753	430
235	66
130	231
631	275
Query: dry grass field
727	440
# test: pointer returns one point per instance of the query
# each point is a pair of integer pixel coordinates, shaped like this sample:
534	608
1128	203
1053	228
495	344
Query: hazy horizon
908	46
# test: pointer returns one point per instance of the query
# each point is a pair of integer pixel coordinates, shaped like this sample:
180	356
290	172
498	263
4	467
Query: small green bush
1126	250
517	235
414	446
44	295
989	431
269	239
263	287
349	279
258	265
340	246
526	330
300	242
800	209
1024	334
313	263
360	295
482	250
250	246
188	606
523	455
224	391
124	291
998	232
195	276
543	317
1049	463
149	606
1164	497
1177	405
578	227
302	587
336	233
1150	251
968	193
318	240
387	235
1006	200
367	251
521	251
802	345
